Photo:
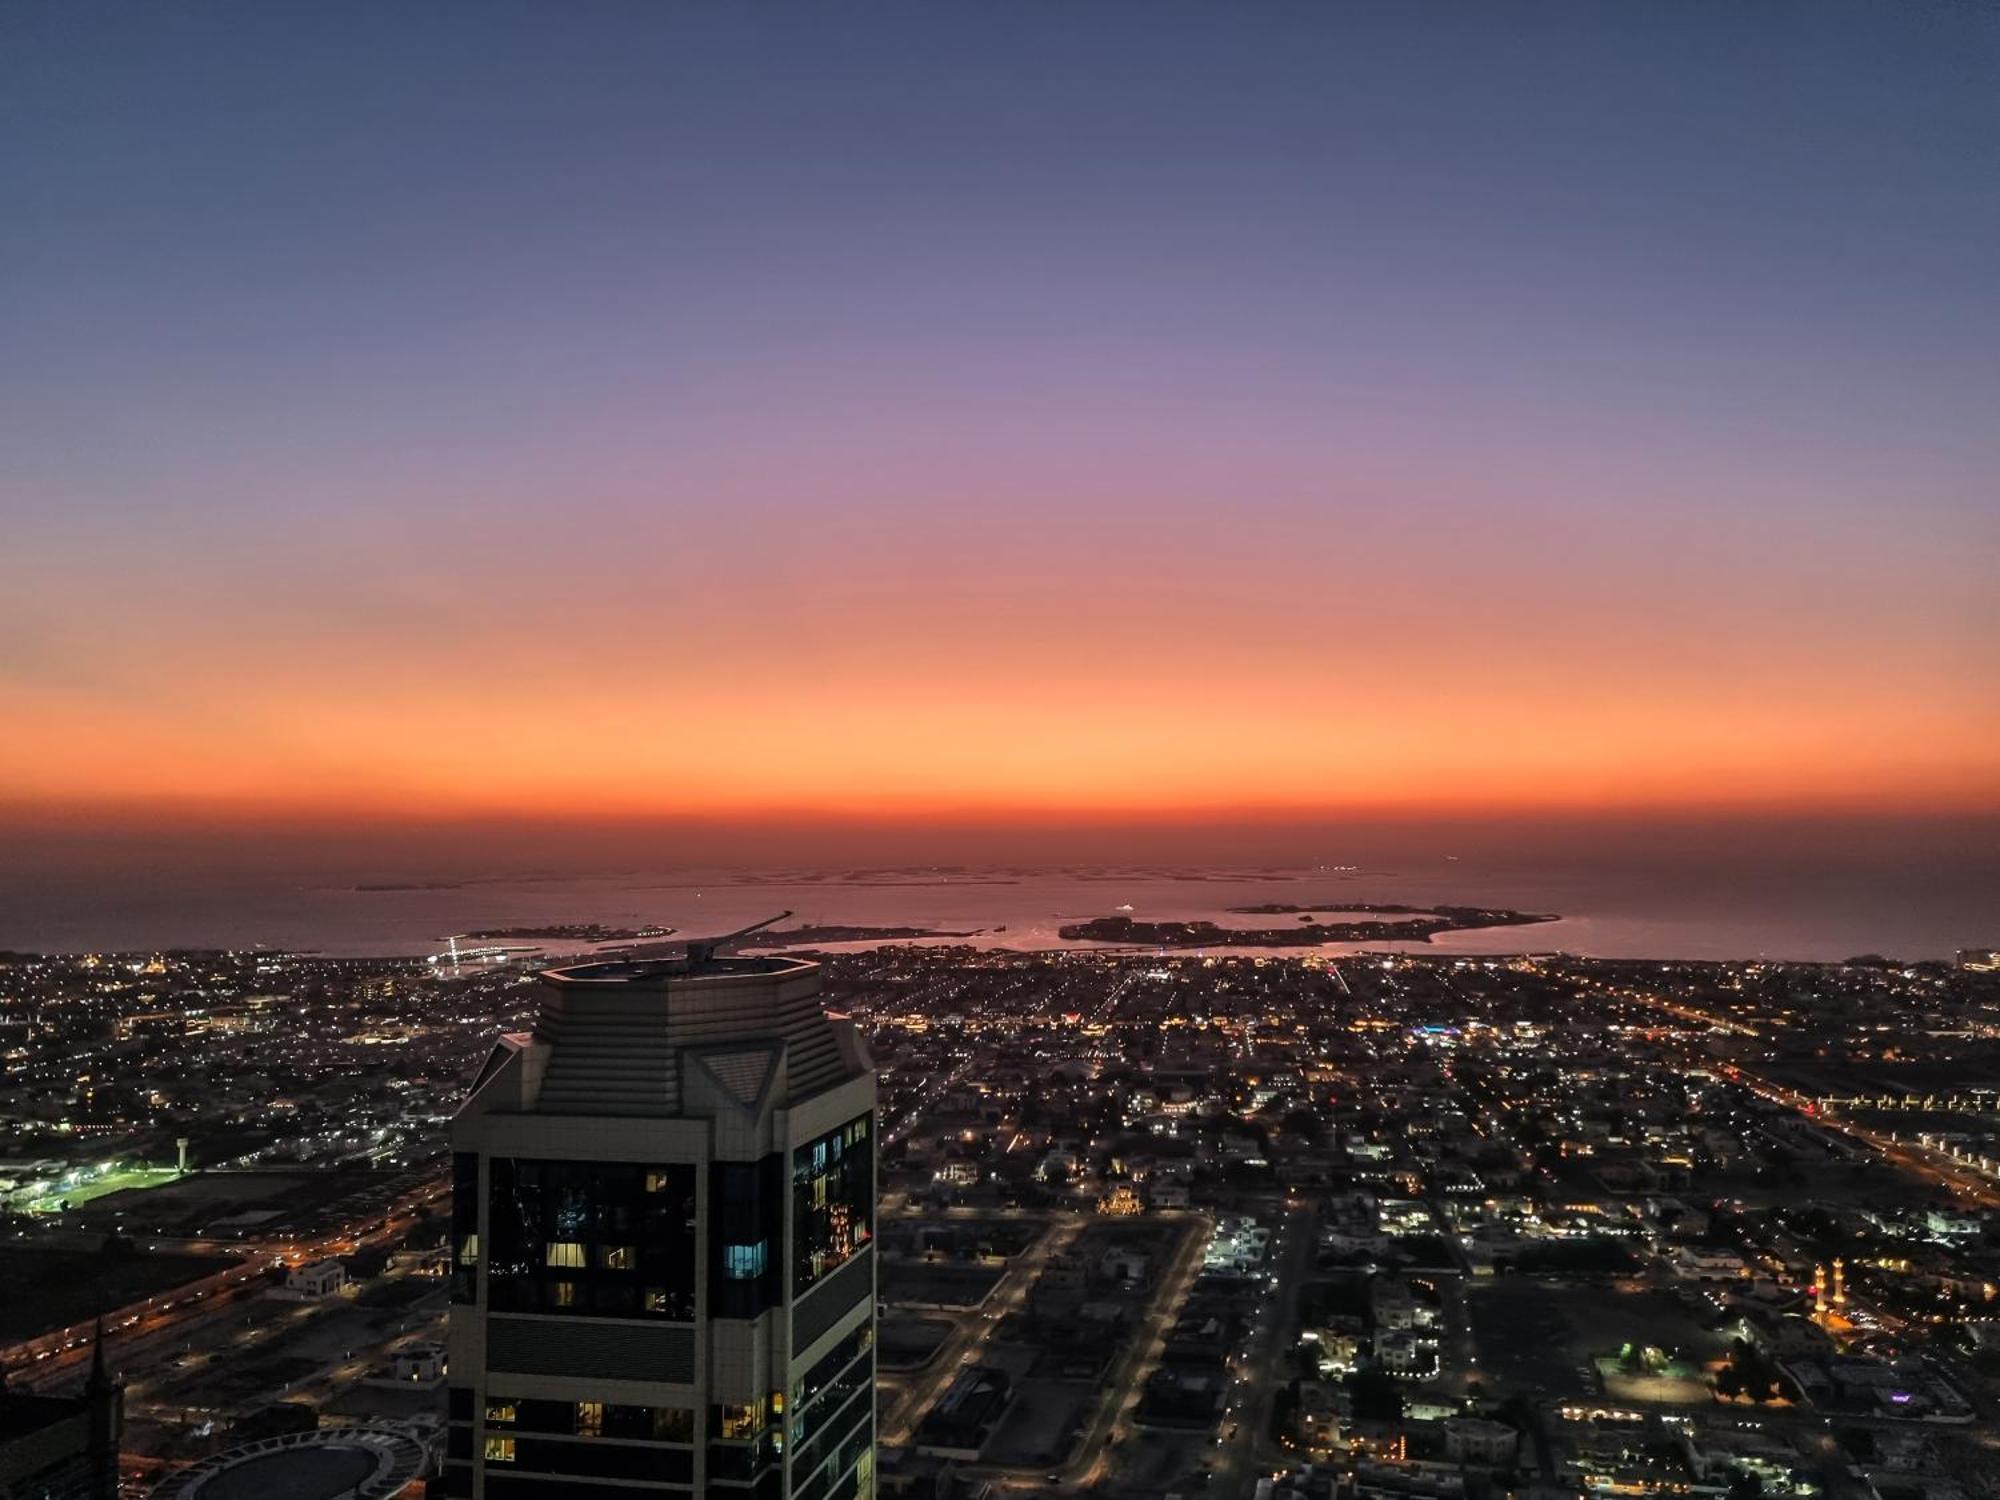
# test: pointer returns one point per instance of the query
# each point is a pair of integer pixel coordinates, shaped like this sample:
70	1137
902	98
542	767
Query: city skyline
1078	750
1080	414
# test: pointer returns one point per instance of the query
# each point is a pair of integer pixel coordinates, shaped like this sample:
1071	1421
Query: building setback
663	1275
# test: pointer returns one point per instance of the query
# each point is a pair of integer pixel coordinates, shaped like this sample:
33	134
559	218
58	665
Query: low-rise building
319	1278
1479	1440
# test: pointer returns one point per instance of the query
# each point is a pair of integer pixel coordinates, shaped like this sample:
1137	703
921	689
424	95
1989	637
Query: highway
1928	1166
129	1339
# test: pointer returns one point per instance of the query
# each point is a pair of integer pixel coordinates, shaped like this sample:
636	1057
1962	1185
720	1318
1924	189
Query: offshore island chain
1404	924
1319	923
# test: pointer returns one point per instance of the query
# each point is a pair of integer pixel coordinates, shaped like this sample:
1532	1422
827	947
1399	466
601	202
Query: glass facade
833	1201
826	1370
746	1442
747	1236
591	1239
832	1412
464	1226
651	1424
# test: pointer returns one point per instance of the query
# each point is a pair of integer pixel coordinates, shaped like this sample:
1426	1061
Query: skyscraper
663	1216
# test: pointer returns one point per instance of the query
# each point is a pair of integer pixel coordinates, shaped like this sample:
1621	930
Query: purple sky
724	410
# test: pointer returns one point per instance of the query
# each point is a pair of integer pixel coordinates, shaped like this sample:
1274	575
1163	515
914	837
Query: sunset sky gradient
598	411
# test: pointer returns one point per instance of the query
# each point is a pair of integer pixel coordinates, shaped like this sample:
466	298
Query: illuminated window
739	1421
499	1450
590	1419
609	1229
747	1202
833	1189
501	1414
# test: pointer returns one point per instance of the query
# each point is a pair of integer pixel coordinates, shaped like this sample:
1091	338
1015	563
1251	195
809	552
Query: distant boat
1126	907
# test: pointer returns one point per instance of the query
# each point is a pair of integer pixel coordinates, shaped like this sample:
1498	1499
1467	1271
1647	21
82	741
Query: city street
1265	1369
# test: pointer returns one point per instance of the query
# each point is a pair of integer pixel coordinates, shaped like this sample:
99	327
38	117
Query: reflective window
593	1238
747	1200
464	1226
657	1424
833	1201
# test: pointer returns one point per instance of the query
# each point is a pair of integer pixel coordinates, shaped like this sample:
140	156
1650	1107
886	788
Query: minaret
1840	1285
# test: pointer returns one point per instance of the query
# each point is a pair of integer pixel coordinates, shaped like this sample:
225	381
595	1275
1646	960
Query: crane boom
701	950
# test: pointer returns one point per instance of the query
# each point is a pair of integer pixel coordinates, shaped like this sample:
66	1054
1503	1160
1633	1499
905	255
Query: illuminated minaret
1840	1286
1819	1292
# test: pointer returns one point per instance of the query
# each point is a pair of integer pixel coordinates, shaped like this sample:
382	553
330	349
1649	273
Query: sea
1723	911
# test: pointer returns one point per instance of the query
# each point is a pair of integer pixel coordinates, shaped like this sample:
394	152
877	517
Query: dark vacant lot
925	1285
42	1290
906	1343
1532	1336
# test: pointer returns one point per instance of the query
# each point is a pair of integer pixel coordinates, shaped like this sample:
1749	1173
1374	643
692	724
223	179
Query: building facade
63	1447
663	1273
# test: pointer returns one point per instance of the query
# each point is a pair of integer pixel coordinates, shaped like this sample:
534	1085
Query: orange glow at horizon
1123	642
1195	728
1037	416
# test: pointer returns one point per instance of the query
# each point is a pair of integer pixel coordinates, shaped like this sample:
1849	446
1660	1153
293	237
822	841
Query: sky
1033	413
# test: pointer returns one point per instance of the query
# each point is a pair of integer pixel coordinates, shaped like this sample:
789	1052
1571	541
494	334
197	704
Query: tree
1749	1372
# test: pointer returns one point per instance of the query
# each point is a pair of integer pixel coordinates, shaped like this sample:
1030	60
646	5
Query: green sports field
114	1181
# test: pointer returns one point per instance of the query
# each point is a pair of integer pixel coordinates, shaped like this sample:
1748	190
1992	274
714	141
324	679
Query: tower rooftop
660	973
669	1036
